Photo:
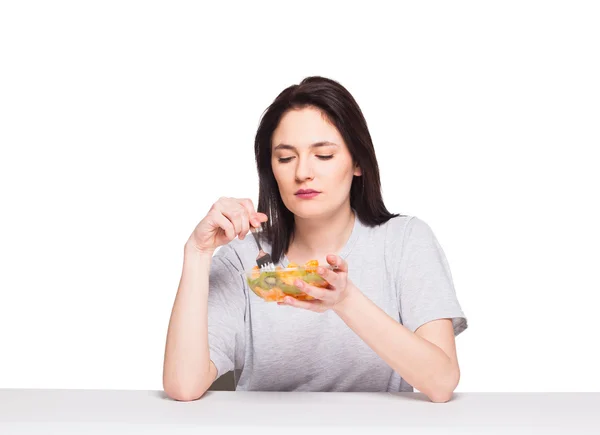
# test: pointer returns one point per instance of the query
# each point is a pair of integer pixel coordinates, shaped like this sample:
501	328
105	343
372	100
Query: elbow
440	396
184	390
184	387
443	390
184	394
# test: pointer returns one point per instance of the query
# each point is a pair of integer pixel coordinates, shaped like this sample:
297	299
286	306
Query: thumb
261	217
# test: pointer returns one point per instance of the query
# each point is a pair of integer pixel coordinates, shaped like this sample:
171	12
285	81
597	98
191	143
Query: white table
29	411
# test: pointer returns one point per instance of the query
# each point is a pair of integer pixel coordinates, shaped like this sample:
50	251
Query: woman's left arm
426	358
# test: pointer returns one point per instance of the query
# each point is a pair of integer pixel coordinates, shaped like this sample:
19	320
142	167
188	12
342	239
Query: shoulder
398	224
404	233
401	228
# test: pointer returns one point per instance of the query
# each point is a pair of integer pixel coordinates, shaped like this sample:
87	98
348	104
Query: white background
122	122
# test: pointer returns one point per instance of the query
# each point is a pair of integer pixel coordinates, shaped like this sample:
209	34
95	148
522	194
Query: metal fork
263	260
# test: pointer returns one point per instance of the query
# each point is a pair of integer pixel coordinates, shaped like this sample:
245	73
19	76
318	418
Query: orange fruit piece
278	294
311	266
305	297
288	279
260	291
273	295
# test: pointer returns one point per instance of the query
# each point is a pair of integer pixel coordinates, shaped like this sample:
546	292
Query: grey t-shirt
399	265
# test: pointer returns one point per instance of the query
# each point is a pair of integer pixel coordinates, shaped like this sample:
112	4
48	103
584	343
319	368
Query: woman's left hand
325	298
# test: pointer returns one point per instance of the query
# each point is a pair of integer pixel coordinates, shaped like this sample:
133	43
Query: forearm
186	371
421	363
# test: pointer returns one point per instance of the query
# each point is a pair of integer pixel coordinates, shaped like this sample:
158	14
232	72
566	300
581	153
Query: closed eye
287	159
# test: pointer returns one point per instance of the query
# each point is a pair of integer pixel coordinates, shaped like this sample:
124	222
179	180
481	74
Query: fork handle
254	232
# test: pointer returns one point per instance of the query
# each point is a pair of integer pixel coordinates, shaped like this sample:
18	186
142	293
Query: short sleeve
426	289
226	310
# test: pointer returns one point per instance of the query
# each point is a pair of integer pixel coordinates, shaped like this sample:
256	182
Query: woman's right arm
188	371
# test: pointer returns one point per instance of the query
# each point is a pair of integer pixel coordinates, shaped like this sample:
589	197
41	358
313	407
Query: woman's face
309	153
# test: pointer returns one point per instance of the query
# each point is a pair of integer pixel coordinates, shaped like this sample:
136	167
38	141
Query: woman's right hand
226	219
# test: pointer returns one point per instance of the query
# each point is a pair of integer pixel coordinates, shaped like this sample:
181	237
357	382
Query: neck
315	238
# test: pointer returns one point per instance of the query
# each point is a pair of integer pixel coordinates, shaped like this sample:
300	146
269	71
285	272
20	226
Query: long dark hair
344	113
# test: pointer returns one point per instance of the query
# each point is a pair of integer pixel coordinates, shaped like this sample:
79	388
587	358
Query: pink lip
307	195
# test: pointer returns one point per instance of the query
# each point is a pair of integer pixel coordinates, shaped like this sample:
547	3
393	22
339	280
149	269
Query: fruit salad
275	285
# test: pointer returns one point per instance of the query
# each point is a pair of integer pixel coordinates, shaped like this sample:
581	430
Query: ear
357	171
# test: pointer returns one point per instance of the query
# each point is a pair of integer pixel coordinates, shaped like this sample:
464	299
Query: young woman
388	320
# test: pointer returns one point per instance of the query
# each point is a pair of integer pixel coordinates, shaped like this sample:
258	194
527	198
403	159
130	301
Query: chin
308	209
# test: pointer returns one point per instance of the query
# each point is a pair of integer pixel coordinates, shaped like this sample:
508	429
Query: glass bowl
275	285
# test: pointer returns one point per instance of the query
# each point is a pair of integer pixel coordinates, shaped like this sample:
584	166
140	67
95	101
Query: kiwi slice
268	281
313	278
289	289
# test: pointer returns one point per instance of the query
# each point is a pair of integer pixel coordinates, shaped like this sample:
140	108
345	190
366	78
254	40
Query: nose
304	169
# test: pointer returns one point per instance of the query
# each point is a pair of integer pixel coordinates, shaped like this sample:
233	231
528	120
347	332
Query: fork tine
264	260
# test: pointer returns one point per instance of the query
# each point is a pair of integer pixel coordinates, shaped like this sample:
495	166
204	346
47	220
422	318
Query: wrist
352	297
192	251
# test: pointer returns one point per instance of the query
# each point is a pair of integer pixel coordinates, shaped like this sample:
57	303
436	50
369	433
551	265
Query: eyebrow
283	146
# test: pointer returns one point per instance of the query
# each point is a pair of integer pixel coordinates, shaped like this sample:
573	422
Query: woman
389	319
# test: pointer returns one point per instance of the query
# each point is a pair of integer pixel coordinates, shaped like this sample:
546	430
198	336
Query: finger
245	219
241	216
262	217
255	217
225	224
321	294
249	207
258	218
235	217
316	306
328	275
337	262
